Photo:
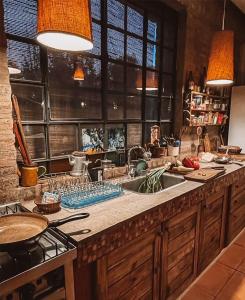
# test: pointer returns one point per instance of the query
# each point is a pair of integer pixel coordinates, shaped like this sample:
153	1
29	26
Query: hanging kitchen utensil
24	229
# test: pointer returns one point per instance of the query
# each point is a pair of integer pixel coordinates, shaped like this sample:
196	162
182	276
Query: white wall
237	121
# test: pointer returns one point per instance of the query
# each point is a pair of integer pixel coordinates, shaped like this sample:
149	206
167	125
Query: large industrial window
129	77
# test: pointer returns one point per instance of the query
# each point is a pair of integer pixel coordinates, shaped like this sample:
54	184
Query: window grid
105	60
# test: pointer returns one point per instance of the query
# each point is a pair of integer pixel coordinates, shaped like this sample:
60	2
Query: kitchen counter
111	213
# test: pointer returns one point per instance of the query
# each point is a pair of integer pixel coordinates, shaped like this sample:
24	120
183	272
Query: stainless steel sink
167	181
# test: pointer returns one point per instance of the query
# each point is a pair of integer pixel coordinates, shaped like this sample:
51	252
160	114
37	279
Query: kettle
77	162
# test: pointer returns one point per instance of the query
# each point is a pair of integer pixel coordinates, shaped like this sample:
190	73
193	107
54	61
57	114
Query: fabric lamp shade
79	73
221	60
65	24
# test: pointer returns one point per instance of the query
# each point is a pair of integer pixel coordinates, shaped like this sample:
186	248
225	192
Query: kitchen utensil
230	149
30	175
77	162
19	128
222	160
206	142
24	229
204	175
47	207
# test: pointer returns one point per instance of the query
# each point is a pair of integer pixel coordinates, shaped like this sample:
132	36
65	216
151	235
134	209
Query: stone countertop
113	212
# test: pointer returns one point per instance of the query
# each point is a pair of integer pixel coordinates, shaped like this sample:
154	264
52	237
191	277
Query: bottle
190	83
202	81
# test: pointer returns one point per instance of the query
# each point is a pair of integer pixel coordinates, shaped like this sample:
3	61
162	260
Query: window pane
166	129
25	57
134	50
153	52
92	138
135	21
152	83
30	100
115	77
64	63
115	13
92	72
153	32
62	139
134	134
115	107
133	107
35	138
96	9
96	39
75	104
20	17
134	80
115	136
168	61
151	109
115	44
168	87
170	29
166	108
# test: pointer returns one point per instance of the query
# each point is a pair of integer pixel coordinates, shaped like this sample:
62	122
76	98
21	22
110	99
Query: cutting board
204	175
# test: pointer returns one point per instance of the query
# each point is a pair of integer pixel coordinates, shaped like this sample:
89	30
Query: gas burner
19	260
51	244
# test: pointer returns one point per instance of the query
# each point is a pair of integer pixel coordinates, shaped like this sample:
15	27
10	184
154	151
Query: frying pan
24	229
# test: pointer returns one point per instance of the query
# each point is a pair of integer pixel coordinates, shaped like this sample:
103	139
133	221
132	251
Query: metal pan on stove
24	229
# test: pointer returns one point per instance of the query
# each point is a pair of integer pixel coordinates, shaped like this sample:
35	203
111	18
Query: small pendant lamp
221	60
65	24
151	82
79	73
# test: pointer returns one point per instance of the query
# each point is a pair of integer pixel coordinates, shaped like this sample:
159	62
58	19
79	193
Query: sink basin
167	181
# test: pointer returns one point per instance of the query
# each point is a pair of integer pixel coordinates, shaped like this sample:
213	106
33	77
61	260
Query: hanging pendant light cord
223	20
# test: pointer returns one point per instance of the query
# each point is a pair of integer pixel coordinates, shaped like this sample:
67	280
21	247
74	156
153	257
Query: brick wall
8	167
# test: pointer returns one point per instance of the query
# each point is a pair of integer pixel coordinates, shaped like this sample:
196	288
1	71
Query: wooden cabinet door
212	229
132	271
180	248
236	214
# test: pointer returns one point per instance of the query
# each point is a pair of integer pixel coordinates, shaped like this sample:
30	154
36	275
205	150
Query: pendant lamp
79	73
151	82
65	24
221	60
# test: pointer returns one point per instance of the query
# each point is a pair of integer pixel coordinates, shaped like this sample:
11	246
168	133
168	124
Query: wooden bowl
47	208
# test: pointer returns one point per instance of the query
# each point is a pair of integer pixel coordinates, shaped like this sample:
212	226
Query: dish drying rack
79	194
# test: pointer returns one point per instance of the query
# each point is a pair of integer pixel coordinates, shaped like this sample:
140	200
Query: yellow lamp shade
65	24
221	60
79	73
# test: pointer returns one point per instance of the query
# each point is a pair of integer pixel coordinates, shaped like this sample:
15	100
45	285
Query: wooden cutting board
204	175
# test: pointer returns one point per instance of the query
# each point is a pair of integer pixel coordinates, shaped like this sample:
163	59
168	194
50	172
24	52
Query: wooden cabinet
212	228
179	252
236	214
132	271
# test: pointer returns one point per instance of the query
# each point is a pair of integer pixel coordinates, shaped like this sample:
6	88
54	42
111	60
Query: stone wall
8	166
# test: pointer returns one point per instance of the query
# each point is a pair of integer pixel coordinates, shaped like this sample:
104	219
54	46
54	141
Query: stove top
51	244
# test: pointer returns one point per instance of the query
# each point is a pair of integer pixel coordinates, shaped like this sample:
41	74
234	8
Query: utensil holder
173	151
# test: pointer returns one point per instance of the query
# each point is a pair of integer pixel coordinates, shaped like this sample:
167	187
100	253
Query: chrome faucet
134	148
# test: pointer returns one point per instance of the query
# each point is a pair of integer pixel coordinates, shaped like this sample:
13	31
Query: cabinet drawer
213	208
236	222
210	244
238	187
237	201
132	271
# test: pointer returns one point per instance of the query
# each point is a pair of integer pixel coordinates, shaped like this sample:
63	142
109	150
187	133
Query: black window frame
81	123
